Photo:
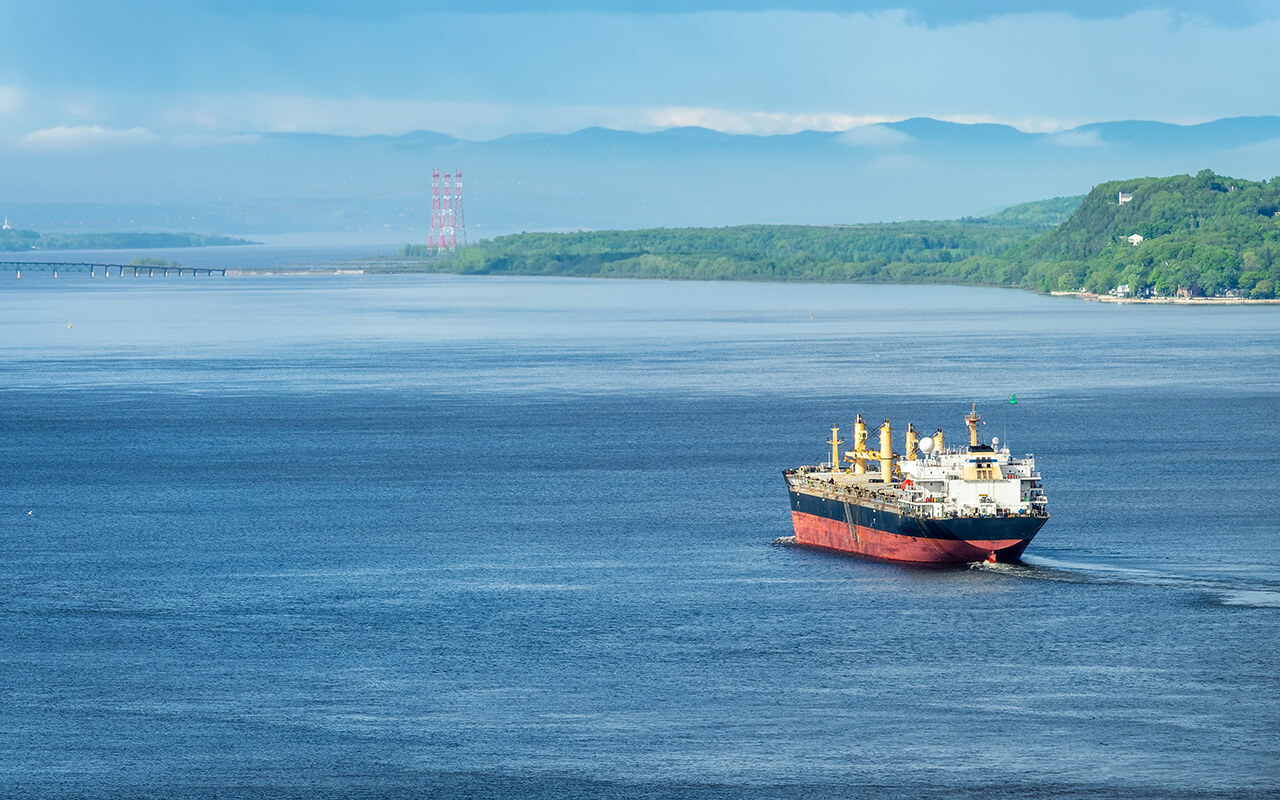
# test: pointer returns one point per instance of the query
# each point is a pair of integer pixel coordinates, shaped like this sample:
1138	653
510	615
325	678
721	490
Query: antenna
448	239
447	226
459	224
435	239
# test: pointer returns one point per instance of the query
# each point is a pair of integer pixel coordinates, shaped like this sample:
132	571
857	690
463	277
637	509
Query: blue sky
77	75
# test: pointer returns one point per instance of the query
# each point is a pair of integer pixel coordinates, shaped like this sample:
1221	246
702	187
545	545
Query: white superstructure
974	481
928	480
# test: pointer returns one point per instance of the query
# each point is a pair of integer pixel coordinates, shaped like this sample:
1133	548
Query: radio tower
459	224
448	229
448	239
435	239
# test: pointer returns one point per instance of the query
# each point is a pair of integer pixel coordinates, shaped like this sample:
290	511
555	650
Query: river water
435	536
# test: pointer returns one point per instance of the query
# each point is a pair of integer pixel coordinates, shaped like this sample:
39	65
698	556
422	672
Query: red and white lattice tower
448	228
435	239
448	239
459	222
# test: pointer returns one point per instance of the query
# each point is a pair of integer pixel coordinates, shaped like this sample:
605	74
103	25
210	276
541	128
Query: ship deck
870	492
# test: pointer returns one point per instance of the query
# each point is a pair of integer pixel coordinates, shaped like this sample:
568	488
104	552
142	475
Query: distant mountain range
604	179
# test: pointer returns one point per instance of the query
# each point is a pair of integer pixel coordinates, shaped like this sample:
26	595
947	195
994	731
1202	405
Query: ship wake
1224	591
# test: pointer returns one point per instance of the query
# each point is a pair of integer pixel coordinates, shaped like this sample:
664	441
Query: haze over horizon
144	102
312	487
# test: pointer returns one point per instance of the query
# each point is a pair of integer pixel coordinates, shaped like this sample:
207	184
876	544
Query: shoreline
407	267
1177	301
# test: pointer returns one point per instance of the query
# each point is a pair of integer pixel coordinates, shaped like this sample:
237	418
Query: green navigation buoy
1014	399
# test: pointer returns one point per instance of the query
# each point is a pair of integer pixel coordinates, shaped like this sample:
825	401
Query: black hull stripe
958	528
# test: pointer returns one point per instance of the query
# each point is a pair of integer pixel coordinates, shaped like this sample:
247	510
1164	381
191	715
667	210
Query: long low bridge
121	269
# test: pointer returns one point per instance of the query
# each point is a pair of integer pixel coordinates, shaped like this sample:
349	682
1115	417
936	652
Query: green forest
1207	234
899	252
1202	234
13	240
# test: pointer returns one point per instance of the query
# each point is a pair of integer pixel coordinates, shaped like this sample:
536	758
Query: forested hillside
1038	214
888	252
902	251
1206	233
1203	235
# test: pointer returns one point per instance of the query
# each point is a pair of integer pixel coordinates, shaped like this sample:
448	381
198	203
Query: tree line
1204	234
16	240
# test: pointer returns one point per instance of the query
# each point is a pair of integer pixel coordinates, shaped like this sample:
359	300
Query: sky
94	75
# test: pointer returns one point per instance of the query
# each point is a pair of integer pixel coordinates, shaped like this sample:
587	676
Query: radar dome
926	445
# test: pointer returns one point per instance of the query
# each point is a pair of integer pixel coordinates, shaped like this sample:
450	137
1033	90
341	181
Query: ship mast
972	419
835	443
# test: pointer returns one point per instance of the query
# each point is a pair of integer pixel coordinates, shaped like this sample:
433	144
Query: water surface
435	536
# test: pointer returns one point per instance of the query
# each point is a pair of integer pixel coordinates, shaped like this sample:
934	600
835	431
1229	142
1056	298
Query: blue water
432	536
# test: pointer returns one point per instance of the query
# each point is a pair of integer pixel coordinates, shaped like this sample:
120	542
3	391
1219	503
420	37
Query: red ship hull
818	531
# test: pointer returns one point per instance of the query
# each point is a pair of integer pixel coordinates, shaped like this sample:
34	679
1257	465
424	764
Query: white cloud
363	116
211	117
194	120
875	136
81	137
760	123
1026	124
555	73
738	72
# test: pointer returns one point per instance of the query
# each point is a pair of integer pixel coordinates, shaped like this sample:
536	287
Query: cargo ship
929	504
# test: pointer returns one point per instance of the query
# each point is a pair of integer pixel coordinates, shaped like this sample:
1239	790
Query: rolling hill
1202	234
